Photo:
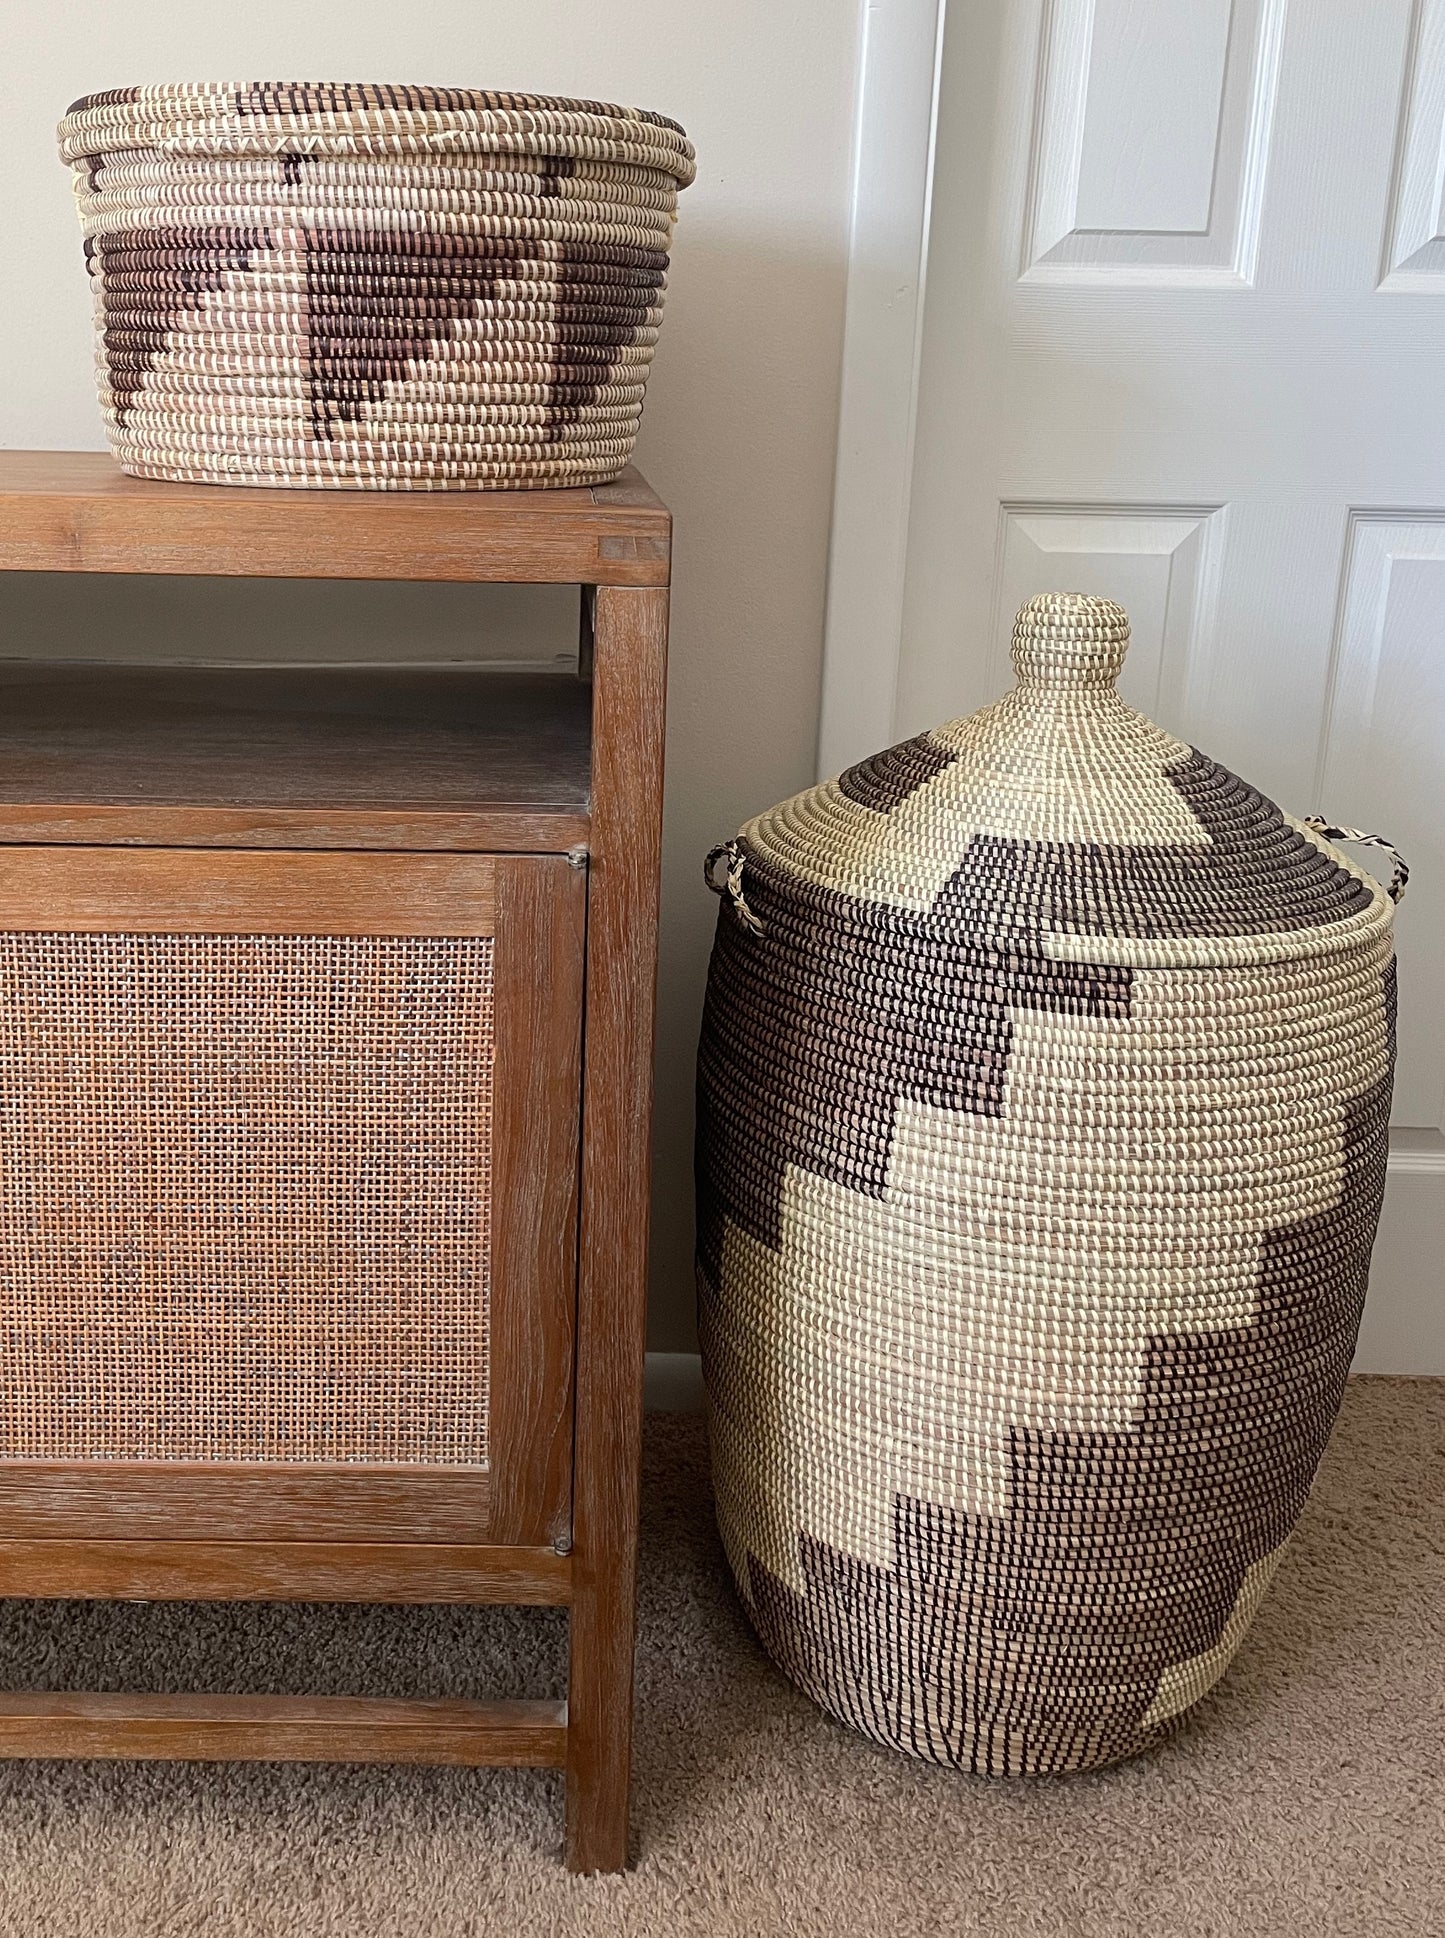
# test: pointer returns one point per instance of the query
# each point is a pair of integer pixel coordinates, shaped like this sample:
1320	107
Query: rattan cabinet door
288	1162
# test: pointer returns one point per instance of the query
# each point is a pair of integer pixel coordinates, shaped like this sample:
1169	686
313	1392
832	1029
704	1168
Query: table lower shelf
284	1729
285	1571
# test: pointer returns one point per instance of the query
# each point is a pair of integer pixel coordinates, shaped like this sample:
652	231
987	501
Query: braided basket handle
732	884
1396	890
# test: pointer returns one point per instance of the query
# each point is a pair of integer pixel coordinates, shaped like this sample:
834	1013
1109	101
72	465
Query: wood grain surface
483	830
178	891
536	1085
241	1501
283	1571
478	758
629	695
76	511
285	1729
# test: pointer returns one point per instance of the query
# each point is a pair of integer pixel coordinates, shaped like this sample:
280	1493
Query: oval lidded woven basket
1043	1092
373	287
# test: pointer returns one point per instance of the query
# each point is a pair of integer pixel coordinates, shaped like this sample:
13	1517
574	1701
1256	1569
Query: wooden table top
76	511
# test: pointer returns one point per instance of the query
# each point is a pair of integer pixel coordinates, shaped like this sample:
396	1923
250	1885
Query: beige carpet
1307	1796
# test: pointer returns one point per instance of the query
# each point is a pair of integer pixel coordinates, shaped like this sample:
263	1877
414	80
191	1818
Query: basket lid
368	118
1061	821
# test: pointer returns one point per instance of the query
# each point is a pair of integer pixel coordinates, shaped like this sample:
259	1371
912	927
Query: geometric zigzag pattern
340	384
373	286
1036	1199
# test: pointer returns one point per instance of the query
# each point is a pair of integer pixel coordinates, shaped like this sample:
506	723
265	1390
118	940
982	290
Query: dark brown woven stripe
587	323
375	249
890	777
127	370
115	97
521	261
545	180
593	283
362	390
233	310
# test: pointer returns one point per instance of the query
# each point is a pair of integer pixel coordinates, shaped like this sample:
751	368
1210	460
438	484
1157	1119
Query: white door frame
896	120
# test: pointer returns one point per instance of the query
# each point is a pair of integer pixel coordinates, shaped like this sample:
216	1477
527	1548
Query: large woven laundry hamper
1044	1081
337	284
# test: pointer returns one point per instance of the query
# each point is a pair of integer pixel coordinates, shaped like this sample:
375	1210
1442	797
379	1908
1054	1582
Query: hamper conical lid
1063	822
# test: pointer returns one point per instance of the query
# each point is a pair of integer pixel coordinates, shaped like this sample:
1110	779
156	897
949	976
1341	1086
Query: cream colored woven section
1183	1683
1016	1267
245	1188
341	118
1061	758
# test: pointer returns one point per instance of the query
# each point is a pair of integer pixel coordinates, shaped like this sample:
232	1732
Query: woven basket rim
304	454
295	438
218	432
1362	930
257	117
148	164
361	481
538	291
329	199
542	318
205	395
370	333
381	251
383	219
194	97
266	469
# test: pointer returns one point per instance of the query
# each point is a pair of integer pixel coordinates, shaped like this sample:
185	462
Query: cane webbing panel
244	1203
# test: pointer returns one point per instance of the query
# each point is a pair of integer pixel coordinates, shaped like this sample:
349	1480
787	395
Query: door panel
1182	347
1415	254
1150	139
288	1162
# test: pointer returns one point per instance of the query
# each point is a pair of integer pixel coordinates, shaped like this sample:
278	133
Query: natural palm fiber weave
291	279
1044	1083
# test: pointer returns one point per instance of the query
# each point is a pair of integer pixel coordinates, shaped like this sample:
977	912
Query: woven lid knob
1068	639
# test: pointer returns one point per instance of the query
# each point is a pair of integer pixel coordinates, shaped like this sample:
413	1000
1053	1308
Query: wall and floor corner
739	434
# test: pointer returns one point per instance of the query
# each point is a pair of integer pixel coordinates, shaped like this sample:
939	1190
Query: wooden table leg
629	676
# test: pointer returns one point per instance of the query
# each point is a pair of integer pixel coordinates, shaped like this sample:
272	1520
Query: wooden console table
391	933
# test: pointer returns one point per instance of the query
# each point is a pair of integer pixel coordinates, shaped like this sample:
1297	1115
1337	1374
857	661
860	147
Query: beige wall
740	420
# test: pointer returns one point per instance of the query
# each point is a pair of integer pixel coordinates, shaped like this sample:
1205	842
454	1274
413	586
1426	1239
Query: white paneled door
1184	345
